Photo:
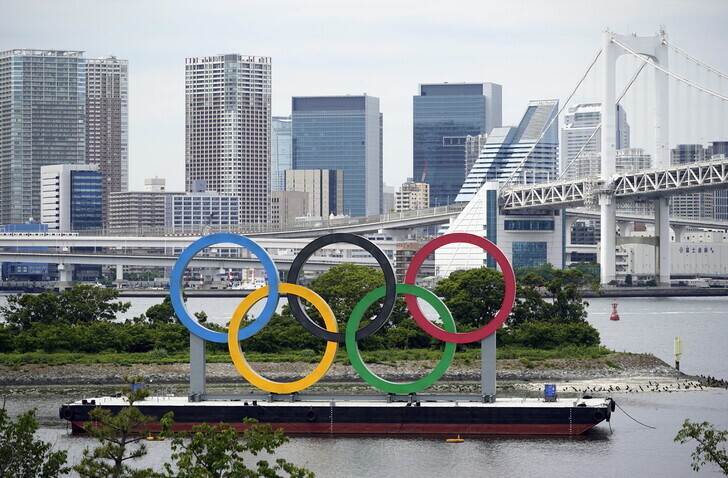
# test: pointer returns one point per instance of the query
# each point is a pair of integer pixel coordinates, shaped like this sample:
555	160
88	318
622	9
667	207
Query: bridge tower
654	47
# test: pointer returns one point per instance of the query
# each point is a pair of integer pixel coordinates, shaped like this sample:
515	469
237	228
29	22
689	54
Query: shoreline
615	373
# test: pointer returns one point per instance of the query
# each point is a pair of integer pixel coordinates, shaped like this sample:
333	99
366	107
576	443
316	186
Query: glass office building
42	122
281	145
344	133
444	115
86	200
535	140
71	197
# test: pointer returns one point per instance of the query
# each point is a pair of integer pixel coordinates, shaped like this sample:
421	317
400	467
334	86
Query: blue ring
175	286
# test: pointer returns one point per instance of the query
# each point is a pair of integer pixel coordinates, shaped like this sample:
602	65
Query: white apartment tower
227	129
579	124
411	196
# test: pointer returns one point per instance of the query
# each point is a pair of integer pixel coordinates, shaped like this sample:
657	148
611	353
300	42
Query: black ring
311	416
389	279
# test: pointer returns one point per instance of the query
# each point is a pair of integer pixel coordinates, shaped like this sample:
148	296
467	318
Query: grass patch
466	357
609	363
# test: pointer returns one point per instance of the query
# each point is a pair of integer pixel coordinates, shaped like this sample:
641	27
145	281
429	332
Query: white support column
119	272
607	259
607	205
65	276
662	250
662	160
198	367
487	368
608	107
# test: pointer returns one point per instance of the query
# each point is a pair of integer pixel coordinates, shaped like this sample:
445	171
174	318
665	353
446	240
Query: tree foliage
82	304
120	438
22	455
711	444
219	451
473	296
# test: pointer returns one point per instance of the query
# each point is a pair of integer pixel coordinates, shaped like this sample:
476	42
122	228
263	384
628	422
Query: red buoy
615	314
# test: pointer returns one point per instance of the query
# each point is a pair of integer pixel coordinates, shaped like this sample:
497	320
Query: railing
650	183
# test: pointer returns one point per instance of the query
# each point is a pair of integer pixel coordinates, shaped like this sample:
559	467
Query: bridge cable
669	73
690	57
599	126
556	117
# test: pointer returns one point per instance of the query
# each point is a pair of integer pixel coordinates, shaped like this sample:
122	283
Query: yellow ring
242	365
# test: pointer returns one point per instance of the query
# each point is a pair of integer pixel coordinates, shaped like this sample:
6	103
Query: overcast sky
535	49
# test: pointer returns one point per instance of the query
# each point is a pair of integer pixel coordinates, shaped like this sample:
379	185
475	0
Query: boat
434	416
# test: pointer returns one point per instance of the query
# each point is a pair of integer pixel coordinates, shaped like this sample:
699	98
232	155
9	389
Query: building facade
134	212
411	196
71	197
42	122
201	212
507	147
324	187
530	238
444	115
286	206
228	129
580	123
692	205
107	124
281	151
342	133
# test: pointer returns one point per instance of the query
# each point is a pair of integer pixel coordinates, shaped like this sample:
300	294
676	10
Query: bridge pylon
654	47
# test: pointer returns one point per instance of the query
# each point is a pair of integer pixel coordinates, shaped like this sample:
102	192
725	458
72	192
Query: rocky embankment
615	373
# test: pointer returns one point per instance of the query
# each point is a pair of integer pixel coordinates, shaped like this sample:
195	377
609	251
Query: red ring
509	297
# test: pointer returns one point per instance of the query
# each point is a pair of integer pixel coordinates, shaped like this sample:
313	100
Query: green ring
352	349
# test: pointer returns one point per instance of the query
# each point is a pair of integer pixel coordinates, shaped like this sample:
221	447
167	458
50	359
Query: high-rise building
342	133
42	122
702	205
71	197
719	149
107	124
57	107
507	147
411	196
628	159
444	115
228	128
579	124
281	146
325	189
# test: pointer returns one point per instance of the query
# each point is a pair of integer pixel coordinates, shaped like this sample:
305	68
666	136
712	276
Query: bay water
622	448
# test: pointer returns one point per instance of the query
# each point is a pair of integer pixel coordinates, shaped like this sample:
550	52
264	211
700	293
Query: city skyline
327	50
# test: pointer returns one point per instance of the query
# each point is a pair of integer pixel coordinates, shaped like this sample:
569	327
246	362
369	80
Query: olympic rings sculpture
330	333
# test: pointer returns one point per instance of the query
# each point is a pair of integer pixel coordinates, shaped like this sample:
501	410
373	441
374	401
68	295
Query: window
529	254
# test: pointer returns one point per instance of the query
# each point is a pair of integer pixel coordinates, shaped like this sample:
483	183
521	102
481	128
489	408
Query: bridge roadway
282	250
640	185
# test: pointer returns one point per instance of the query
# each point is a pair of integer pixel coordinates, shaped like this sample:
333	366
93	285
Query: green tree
78	305
344	285
711	444
473	296
219	451
21	455
120	436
